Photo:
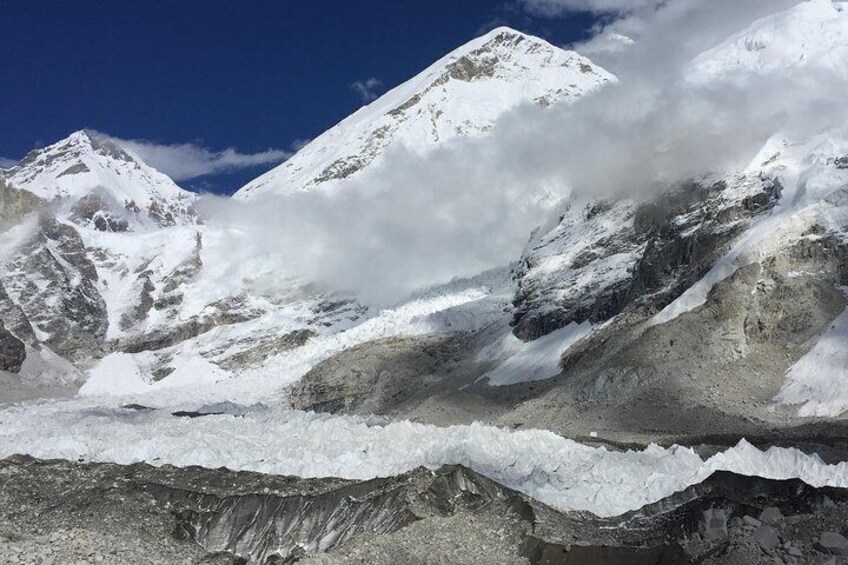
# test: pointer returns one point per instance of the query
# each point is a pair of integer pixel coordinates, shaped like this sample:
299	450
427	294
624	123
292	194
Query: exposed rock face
12	351
610	257
218	314
97	211
15	319
52	280
713	370
15	204
263	348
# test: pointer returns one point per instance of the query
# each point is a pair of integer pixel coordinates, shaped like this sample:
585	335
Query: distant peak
505	31
504	37
89	140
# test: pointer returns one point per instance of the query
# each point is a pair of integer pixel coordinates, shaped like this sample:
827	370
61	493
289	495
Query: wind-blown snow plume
684	27
419	220
368	89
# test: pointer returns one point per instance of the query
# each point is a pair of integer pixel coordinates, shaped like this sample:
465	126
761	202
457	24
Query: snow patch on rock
819	380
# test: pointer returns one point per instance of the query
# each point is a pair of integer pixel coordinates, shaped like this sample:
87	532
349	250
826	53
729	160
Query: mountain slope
460	95
813	34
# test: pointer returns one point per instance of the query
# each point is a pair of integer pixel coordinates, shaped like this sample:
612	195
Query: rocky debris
69	512
389	376
12	351
832	543
143	514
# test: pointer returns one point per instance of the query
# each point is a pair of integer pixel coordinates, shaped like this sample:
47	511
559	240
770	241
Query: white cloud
183	161
368	89
5	162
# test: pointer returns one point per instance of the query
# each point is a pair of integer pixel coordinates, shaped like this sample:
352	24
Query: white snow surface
819	380
813	34
536	360
467	305
555	470
116	371
460	95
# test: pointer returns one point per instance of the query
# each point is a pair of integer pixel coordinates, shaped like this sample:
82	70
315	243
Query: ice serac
813	35
460	95
102	183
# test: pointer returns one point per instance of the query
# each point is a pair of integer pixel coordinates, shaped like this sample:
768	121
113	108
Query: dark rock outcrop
12	351
53	281
673	240
100	213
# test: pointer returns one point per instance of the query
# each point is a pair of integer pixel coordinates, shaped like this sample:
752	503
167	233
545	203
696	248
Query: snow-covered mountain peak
85	164
813	34
97	179
462	94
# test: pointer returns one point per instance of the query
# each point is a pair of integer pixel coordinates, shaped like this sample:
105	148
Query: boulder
771	516
715	524
751	521
832	543
766	537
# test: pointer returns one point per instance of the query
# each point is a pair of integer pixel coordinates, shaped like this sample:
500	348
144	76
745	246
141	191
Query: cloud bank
184	161
471	205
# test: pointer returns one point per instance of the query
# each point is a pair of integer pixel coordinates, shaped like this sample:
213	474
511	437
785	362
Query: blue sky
221	74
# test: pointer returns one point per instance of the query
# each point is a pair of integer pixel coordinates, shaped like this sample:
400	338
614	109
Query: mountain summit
462	94
89	166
